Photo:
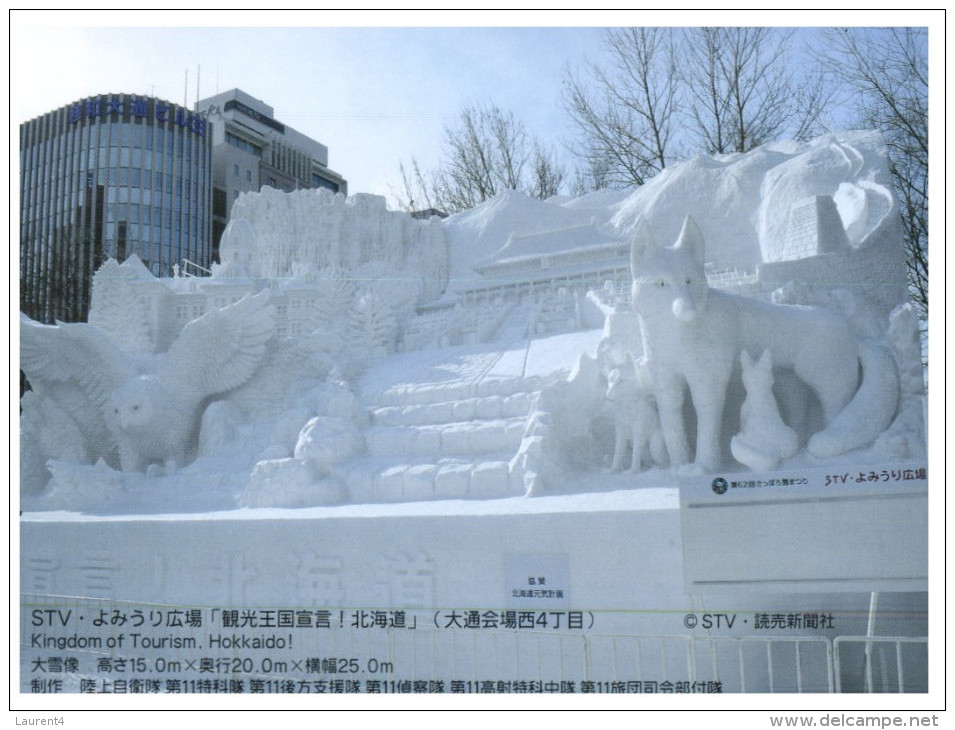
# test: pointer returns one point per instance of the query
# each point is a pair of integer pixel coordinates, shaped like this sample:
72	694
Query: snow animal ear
691	239
643	243
745	360
766	360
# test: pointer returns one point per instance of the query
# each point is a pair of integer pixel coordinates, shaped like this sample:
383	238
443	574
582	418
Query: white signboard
832	529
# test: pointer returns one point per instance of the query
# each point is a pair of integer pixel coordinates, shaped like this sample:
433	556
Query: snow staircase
556	313
450	440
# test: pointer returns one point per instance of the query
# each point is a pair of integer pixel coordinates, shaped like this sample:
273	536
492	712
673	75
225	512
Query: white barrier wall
575	593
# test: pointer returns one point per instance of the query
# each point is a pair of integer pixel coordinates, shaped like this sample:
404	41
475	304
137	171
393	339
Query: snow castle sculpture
345	352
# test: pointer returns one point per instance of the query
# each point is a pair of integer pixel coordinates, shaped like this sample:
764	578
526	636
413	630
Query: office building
120	174
252	150
106	177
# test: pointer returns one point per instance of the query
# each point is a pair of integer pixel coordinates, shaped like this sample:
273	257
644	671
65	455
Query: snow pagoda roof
555	244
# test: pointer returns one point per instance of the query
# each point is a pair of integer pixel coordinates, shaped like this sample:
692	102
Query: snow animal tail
869	412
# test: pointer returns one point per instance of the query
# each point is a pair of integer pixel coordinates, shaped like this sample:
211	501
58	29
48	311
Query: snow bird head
134	403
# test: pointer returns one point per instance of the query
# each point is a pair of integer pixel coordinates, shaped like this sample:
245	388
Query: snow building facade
347	270
253	150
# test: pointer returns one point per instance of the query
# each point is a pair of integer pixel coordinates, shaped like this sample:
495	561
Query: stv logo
720	485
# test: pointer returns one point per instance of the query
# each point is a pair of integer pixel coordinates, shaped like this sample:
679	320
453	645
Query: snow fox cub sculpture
764	440
635	417
695	334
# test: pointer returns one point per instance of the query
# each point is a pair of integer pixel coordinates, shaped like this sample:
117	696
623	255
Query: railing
888	663
187	265
621	663
748	664
668	663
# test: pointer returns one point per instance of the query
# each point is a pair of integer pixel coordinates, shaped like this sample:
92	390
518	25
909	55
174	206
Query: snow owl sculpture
137	418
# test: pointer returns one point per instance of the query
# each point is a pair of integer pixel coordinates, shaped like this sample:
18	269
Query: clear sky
377	88
374	96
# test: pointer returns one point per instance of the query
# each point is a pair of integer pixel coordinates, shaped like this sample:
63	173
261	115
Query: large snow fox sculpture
695	334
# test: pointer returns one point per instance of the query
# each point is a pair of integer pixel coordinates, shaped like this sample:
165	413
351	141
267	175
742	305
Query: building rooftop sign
256	115
96	107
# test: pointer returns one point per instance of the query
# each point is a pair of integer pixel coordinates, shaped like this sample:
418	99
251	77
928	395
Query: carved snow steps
419	394
447	479
487	408
465	438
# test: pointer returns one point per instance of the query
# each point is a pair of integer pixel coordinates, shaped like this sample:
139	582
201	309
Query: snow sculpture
764	440
695	334
563	425
271	234
905	438
636	421
312	475
463	358
139	418
219	427
122	308
372	327
350	267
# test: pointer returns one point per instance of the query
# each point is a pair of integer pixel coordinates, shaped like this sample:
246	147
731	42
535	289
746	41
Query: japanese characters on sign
138	107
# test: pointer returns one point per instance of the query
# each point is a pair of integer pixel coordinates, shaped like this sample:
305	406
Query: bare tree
626	113
743	90
592	174
486	152
887	72
418	192
547	174
708	105
665	94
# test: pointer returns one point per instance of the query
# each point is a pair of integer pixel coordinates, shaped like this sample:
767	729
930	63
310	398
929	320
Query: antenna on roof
185	92
198	71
